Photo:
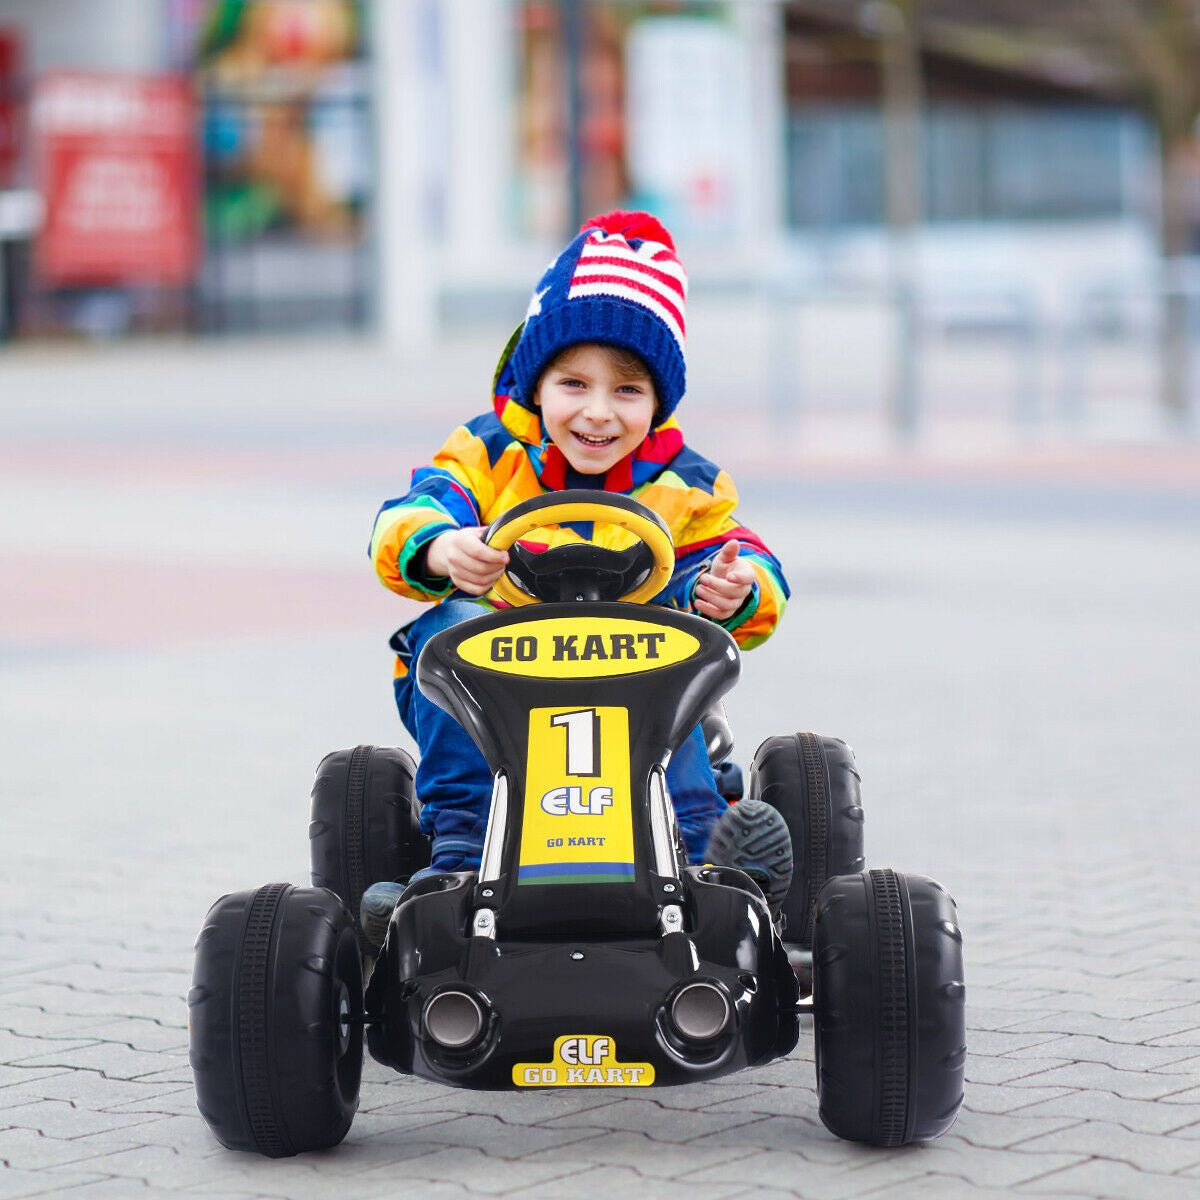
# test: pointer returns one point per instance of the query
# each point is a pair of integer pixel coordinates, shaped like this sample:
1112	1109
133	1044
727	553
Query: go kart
585	952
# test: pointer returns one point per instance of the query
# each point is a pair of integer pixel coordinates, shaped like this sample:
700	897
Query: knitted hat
618	283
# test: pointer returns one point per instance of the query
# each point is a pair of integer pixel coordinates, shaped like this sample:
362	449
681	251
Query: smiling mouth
595	443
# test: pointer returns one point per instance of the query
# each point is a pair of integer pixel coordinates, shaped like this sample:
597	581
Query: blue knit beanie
618	283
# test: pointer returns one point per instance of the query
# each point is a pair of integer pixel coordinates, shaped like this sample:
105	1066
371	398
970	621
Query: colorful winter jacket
501	458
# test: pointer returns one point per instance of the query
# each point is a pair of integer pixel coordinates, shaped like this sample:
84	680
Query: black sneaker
375	909
753	836
380	899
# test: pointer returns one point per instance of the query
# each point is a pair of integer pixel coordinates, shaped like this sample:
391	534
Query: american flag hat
618	283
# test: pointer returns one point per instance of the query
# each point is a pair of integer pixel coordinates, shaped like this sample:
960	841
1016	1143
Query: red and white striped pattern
650	275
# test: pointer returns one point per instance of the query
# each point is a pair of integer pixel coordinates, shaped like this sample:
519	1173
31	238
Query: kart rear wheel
277	1065
888	1008
365	826
814	783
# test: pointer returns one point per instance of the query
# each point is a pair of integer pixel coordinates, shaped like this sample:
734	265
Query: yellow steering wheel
640	572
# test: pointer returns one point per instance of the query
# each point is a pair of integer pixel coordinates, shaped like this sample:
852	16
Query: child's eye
571	383
631	389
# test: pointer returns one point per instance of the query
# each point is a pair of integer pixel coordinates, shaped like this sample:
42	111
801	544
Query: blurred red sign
10	69
116	159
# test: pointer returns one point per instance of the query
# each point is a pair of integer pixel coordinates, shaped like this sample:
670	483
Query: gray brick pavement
1021	696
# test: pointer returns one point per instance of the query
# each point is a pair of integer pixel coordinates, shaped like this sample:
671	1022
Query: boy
584	397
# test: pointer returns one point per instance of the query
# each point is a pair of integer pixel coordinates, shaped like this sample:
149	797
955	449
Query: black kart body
591	958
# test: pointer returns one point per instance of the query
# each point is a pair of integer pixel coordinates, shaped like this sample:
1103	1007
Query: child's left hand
723	588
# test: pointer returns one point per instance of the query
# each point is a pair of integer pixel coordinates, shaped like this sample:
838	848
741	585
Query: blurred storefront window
999	162
286	135
997	145
662	121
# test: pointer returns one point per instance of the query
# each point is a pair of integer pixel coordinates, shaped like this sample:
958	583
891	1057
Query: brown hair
625	363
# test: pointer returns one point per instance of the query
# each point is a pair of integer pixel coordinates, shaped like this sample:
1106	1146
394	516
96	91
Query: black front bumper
534	994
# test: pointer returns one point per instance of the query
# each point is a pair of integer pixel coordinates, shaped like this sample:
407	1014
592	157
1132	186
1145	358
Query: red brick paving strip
93	602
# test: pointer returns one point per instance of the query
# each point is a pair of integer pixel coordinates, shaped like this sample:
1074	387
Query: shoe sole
374	920
753	836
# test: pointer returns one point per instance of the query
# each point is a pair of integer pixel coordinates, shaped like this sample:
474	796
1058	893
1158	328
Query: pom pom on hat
618	283
631	225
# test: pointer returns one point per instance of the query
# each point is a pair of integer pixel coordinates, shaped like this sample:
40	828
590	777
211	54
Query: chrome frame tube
661	818
493	840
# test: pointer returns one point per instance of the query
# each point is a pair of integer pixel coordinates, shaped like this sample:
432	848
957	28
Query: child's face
594	413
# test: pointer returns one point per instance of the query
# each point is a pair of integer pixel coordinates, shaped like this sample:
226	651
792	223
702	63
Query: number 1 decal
577	823
583	741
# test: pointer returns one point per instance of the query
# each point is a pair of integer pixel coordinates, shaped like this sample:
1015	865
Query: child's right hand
462	555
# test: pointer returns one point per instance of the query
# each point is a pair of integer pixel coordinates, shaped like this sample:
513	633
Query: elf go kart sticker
577	825
579	647
583	1060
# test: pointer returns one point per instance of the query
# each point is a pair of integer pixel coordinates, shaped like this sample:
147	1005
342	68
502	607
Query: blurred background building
909	169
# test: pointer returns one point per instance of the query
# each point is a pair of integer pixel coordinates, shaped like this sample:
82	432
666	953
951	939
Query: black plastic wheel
888	1008
277	1067
365	825
814	783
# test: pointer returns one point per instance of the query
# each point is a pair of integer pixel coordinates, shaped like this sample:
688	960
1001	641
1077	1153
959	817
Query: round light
700	1011
453	1019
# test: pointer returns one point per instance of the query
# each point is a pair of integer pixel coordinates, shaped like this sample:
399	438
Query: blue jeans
454	783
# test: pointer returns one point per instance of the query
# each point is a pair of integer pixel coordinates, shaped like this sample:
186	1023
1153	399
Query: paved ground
1007	634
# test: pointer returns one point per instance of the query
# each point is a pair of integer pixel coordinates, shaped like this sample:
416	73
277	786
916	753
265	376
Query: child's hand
723	588
461	554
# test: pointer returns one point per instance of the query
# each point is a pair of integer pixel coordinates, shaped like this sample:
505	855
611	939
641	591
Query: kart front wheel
888	1008
274	1018
364	827
814	783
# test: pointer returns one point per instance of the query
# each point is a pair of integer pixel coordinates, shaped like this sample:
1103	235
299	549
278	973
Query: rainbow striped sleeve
450	494
706	532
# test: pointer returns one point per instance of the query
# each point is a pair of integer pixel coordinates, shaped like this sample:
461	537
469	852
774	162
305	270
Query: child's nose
598	408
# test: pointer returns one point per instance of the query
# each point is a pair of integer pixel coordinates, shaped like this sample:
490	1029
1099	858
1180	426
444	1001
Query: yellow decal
579	647
577	825
585	1060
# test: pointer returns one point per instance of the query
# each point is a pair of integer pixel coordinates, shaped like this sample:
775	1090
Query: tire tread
817	801
353	847
254	964
891	1030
